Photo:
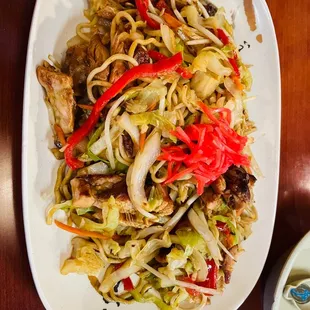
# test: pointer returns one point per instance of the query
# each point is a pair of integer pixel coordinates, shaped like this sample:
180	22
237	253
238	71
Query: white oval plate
53	24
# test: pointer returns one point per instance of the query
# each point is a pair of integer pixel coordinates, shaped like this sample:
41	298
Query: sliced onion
152	9
215	49
116	276
203	9
97	168
125	123
137	172
168	38
187	305
155	17
200	264
148	231
222	246
176	12
197	42
232	88
100	145
193	20
203	229
169	282
107	135
152	246
181	211
178	215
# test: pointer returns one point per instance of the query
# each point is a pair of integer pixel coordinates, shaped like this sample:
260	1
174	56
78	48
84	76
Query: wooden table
293	216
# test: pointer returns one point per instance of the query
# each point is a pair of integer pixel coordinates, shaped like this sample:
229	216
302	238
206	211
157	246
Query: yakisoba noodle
159	189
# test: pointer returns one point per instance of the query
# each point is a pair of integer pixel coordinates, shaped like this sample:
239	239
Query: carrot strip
237	81
171	21
60	135
85	106
81	232
142	141
152	106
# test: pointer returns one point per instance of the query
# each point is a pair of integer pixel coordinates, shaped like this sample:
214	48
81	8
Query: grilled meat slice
76	65
81	59
219	185
210	199
59	95
128	145
228	264
81	193
239	184
95	190
141	55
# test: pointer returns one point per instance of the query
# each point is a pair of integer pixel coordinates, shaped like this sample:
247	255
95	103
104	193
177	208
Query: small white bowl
298	293
295	269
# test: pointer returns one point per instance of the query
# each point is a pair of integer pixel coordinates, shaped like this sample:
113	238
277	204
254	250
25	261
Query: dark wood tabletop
293	213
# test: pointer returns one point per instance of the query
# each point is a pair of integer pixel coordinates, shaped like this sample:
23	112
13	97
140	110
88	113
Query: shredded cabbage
152	118
236	107
246	77
82	211
110	220
155	199
232	88
84	260
203	228
218	21
177	258
54	208
147	97
207	60
191	238
204	84
168	38
150	299
131	248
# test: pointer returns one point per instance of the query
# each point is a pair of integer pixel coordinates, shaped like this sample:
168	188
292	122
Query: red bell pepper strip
159	56
128	286
190	291
223	228
118	266
222	36
210	282
142	6
212	275
233	62
145	70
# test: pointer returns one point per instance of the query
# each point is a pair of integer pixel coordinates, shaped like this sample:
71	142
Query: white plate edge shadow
25	142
